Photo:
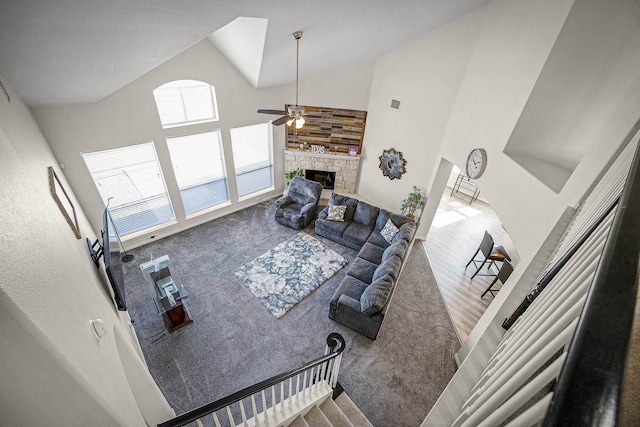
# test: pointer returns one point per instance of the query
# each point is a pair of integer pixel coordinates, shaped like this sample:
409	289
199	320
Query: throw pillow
350	203
336	212
376	295
389	231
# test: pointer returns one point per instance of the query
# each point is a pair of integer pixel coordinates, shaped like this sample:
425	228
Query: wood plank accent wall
333	128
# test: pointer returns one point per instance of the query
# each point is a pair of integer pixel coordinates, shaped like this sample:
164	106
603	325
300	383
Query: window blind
130	183
252	157
198	163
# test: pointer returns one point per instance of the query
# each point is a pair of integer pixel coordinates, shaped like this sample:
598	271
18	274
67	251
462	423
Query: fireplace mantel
325	155
345	167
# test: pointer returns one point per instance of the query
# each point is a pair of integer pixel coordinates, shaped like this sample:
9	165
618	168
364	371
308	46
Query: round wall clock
392	163
476	163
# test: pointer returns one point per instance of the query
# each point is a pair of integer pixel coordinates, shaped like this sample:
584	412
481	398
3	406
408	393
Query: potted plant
414	201
296	172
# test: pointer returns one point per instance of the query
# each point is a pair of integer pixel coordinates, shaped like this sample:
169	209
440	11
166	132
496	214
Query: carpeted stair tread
335	414
299	422
352	412
316	418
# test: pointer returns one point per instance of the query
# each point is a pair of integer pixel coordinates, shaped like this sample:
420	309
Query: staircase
341	412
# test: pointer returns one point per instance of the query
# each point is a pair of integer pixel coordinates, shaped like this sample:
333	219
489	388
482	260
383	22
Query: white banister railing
508	381
282	398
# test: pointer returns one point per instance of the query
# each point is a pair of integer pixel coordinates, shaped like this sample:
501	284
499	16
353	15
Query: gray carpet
235	342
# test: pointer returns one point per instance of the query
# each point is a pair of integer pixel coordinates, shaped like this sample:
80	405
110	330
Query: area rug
286	274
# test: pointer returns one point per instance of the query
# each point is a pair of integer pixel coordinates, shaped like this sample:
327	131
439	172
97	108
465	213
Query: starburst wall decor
392	163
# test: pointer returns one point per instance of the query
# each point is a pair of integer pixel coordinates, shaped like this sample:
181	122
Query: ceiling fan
295	115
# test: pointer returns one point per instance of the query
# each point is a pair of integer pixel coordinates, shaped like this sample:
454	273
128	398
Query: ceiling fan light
299	122
290	121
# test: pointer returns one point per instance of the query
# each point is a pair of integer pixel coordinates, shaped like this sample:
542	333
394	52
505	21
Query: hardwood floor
454	237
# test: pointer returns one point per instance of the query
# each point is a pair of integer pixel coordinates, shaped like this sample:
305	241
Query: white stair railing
280	399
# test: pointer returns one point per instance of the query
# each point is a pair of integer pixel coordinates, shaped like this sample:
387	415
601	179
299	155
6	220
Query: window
186	101
198	164
130	183
253	158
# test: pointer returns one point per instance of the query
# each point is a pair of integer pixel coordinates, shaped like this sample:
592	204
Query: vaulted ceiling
79	51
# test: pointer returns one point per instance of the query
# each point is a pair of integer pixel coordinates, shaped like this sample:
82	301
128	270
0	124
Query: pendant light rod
297	35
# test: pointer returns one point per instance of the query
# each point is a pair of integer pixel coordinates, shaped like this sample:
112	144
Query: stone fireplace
325	178
344	166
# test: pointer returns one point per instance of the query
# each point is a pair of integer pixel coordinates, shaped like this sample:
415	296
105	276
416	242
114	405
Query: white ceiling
79	51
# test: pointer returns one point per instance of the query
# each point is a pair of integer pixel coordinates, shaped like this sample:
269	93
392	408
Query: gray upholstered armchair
298	208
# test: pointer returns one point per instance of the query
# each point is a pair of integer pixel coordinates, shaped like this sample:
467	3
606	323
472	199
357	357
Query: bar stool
490	252
503	274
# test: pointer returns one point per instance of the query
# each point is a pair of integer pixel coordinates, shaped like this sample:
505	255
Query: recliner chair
298	208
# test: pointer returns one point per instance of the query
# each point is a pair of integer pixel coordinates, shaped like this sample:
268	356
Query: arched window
183	102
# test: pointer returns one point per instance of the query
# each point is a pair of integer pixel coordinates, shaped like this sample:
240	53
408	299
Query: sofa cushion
299	198
362	269
371	252
336	212
376	295
389	231
349	202
366	214
405	232
332	227
390	266
358	232
385	215
396	249
375	238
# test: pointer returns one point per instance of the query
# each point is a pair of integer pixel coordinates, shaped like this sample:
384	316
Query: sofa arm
309	208
323	213
348	313
283	201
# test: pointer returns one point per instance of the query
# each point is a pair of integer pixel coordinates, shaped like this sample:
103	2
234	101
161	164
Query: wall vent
395	104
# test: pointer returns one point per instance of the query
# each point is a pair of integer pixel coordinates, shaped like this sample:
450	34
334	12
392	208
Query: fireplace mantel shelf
324	155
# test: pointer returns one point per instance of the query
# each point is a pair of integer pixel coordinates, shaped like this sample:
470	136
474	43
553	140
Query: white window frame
126	174
190	156
260	165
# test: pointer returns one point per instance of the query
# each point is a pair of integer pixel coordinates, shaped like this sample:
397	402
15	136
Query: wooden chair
489	251
503	274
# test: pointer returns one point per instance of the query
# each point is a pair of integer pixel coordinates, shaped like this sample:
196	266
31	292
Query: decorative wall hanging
64	203
392	163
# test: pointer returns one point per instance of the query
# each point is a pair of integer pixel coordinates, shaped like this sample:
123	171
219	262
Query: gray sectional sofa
361	299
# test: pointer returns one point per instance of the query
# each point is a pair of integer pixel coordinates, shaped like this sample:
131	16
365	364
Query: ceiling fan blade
278	112
280	121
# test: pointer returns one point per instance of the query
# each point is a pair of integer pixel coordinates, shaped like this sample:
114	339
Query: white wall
54	371
514	43
464	86
530	211
425	75
129	116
